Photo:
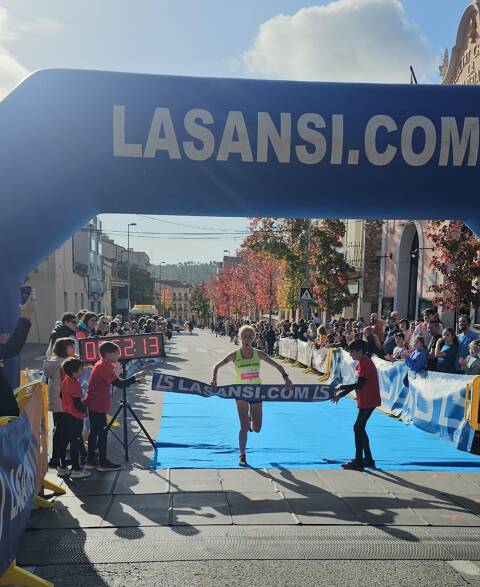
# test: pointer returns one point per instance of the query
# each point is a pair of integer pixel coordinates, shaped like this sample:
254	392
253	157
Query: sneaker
81	474
353	466
90	465
242	461
369	463
63	471
108	466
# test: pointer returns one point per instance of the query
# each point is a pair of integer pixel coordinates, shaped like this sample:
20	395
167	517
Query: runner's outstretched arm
227	359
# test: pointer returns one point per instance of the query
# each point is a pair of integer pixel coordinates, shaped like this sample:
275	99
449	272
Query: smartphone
25	293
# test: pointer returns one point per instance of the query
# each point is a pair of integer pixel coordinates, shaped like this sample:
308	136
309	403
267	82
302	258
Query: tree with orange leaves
456	252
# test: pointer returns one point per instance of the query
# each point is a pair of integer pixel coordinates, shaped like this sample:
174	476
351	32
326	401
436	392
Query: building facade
180	295
362	246
61	286
406	278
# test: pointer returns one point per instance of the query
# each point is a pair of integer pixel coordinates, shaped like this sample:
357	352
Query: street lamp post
162	311
128	265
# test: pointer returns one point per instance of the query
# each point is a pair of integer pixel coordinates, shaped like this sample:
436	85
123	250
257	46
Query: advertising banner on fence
304	353
436	404
432	401
22	469
275	393
320	360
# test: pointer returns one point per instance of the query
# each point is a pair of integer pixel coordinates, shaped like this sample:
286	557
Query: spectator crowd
423	344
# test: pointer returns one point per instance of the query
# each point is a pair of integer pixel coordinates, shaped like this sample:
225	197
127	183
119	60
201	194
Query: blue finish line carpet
198	432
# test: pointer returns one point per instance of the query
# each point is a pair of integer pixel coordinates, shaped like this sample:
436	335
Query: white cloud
11	70
41	24
344	40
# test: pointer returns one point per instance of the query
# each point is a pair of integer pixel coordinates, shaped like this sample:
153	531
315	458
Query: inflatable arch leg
16	576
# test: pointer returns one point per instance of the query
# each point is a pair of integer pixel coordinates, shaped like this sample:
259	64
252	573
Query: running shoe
81	474
63	471
108	466
242	461
90	465
353	466
369	463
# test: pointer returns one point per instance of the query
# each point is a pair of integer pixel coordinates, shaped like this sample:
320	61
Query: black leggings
98	436
58	434
362	445
73	428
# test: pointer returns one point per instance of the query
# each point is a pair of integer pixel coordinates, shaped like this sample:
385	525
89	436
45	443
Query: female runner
247	367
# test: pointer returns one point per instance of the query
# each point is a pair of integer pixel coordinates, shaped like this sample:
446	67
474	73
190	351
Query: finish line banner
266	393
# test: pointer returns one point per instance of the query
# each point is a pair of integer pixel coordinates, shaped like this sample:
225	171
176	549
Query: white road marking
465	567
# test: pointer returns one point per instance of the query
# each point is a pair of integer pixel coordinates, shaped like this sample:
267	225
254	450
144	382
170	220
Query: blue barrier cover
18	471
299	393
431	401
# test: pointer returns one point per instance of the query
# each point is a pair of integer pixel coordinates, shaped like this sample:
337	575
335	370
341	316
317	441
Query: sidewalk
136	515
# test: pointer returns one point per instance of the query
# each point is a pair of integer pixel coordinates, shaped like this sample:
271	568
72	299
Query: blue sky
213	38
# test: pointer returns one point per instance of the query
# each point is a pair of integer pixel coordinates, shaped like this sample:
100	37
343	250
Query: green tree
199	303
141	283
296	240
329	270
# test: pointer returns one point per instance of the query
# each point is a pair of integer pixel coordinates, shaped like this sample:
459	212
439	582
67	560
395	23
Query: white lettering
248	392
301	393
235	125
268	133
451	138
286	393
375	156
120	147
312	136
166	381
273	392
411	125
199	132
162	123
337	139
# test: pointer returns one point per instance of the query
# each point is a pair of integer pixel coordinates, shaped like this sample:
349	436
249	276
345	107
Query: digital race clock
135	346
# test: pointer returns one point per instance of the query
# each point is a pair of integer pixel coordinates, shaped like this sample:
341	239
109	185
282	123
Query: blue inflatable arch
74	144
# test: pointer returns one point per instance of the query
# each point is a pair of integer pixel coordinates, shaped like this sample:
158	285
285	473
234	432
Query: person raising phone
11	348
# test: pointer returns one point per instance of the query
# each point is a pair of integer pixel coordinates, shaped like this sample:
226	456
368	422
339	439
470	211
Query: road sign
306	294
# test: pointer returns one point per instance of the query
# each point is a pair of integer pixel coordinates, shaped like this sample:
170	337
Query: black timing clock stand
126	407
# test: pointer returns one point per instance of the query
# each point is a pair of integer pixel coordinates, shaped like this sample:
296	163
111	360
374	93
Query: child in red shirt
368	398
74	412
99	403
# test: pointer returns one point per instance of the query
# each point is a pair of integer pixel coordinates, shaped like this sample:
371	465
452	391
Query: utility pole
305	308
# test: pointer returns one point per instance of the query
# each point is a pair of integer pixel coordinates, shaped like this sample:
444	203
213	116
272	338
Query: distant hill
189	271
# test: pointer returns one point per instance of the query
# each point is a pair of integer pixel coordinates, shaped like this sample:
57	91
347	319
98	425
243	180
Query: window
76	303
65	301
82	301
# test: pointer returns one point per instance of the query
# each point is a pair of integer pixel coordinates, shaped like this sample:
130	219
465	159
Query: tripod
126	407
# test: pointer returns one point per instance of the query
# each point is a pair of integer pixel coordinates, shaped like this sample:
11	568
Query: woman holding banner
247	367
